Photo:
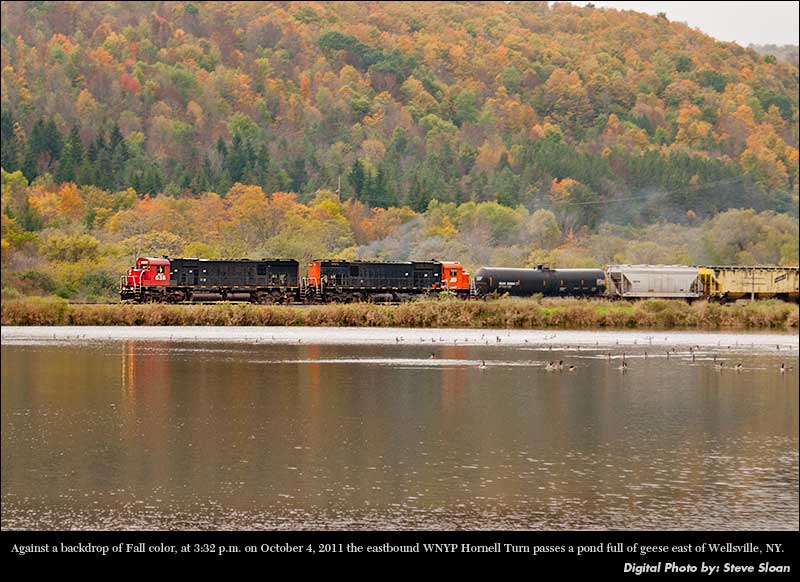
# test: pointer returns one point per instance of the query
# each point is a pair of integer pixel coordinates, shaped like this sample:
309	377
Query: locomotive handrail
386	282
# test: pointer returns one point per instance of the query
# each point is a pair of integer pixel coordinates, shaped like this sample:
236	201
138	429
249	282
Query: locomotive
168	280
347	281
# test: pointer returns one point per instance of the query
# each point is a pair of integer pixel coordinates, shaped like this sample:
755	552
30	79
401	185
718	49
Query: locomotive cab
454	277
148	272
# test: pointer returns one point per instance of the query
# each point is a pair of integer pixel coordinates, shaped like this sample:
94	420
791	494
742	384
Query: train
279	281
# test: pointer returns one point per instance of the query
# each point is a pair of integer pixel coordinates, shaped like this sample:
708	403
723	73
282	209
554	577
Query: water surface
303	428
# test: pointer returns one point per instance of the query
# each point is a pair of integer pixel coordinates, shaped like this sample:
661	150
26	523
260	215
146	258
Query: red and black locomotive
168	280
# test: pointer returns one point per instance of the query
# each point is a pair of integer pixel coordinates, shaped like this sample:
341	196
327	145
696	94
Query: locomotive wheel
263	298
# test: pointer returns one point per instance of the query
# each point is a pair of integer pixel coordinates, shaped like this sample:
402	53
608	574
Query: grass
566	313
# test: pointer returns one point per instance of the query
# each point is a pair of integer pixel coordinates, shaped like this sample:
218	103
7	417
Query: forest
512	133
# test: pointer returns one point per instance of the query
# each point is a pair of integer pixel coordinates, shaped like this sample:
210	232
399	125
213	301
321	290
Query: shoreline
569	340
504	313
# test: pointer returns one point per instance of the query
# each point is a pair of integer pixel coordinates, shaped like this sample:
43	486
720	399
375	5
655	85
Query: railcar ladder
306	283
318	290
123	284
473	291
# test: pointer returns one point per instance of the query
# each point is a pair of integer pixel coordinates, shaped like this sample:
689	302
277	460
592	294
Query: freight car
542	279
382	281
647	281
165	280
729	283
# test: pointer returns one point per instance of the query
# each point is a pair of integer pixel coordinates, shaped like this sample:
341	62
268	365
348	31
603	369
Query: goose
738	367
718	366
549	367
433	356
560	365
483	365
571	368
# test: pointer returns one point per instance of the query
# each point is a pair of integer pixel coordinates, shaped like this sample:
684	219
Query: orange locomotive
382	281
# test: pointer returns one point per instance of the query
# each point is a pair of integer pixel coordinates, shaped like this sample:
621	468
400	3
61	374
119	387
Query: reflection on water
162	434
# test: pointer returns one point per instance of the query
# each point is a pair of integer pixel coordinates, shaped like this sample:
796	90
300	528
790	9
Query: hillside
446	101
171	126
788	53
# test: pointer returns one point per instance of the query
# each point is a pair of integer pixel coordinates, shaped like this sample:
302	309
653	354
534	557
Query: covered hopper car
647	281
756	282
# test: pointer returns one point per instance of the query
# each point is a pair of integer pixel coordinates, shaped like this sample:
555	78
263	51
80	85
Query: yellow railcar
757	282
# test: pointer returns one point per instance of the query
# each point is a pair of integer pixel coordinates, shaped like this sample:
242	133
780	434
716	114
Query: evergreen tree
222	150
204	179
236	161
420	196
34	147
66	168
9	158
297	175
261	168
86	170
356	178
43	149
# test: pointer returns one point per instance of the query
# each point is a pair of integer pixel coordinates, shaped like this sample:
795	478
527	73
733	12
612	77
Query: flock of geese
558	366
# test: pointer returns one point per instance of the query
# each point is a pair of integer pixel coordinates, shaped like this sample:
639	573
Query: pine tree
86	170
356	178
34	147
8	154
261	167
66	168
237	159
297	175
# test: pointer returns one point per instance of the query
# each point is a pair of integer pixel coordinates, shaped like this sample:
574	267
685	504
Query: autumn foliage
488	132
